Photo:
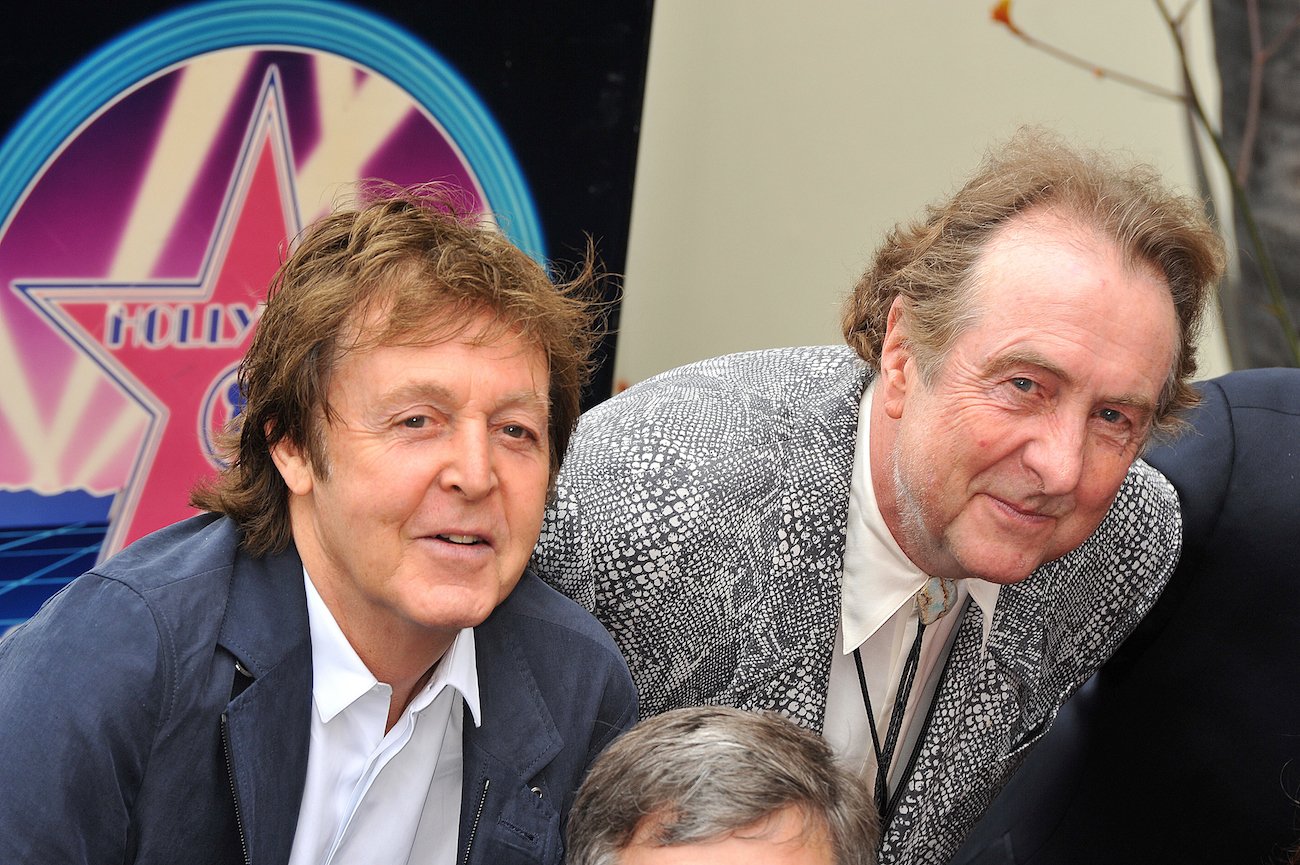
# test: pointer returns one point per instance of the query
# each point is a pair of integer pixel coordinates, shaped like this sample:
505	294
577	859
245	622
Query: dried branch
1001	13
1259	58
1254	94
1282	37
1267	269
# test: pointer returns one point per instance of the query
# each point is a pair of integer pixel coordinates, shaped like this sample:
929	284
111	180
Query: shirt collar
985	594
340	678
879	578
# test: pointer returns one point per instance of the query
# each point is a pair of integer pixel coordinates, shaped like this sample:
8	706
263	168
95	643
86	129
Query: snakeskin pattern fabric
701	517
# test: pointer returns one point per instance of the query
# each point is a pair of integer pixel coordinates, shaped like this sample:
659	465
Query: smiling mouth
1022	512
462	540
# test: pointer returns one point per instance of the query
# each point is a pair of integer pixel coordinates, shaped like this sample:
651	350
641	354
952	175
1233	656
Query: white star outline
267	121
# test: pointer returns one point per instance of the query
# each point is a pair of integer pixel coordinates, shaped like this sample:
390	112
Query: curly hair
431	266
932	262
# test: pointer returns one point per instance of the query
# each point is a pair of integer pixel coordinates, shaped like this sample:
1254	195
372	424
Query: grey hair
702	773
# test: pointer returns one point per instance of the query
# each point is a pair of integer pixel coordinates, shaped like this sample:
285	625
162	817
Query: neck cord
885	754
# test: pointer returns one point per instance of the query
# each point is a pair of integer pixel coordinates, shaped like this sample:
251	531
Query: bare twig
1276	44
1001	14
1265	262
1260	55
1196	112
1199	166
1254	94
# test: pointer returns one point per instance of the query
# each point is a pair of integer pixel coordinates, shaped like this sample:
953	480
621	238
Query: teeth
461	539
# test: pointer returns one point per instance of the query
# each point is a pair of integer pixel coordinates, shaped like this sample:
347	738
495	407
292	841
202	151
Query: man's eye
1110	415
1022	384
515	431
418	421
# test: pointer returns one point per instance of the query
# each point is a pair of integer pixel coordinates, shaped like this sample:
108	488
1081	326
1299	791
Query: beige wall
780	141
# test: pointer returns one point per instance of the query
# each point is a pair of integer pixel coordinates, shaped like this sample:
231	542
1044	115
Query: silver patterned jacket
701	516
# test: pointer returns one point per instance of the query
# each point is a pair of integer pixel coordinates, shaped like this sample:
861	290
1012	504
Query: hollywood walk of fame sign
147	200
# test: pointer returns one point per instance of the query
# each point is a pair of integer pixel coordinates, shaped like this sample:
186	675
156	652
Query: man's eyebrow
1138	403
528	400
1005	363
1019	359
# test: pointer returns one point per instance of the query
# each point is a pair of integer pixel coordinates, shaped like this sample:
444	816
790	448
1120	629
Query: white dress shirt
373	796
878	618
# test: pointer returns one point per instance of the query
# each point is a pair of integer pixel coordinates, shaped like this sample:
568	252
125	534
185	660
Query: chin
1003	578
459	612
1004	573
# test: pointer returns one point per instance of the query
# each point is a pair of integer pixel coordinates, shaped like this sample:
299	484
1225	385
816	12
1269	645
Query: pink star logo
172	347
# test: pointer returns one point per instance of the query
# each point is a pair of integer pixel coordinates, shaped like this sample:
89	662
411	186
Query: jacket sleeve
81	692
618	711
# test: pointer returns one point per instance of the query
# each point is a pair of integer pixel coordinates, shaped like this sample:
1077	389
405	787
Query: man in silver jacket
921	544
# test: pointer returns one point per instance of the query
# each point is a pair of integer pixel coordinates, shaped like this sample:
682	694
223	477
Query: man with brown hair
786	529
345	659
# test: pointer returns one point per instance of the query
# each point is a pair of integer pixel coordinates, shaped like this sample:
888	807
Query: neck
405	668
402	694
401	655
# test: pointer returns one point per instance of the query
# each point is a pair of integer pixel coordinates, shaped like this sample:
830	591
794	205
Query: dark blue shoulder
181	551
536	601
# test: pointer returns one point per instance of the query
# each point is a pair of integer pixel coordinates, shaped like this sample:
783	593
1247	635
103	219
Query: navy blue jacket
129	731
1185	748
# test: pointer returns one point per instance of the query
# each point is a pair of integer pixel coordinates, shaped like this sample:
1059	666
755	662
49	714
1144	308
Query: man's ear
898	372
293	465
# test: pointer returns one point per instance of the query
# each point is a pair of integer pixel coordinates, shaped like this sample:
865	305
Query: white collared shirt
878	618
373	796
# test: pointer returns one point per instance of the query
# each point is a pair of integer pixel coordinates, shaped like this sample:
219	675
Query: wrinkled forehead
388	317
1049	226
790	835
376	325
1066	265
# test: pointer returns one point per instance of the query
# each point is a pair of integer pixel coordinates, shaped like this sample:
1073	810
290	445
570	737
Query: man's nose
1055	455
469	469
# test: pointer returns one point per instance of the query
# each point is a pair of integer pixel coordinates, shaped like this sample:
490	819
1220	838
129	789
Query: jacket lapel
503	820
787	662
993	704
976	711
1050	634
266	725
1017	667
